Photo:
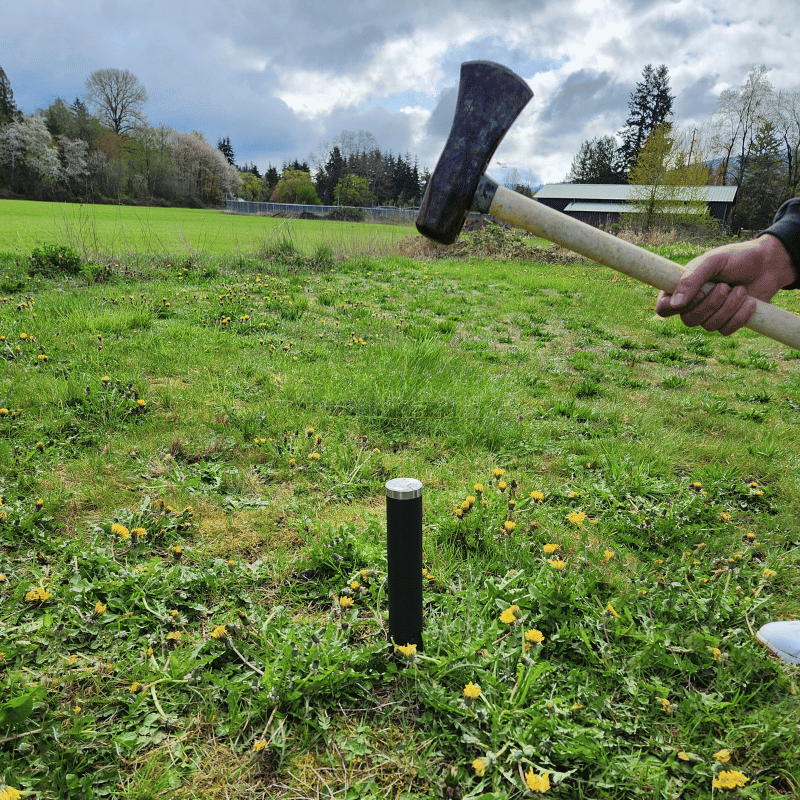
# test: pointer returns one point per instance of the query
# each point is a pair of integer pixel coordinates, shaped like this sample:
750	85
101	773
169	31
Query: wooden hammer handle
622	256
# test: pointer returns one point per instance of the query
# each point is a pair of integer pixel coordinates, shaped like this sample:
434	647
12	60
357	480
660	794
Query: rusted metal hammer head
490	98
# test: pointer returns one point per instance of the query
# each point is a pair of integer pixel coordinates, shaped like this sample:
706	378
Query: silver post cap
403	488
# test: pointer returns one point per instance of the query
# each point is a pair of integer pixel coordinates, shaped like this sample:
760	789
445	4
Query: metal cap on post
404	558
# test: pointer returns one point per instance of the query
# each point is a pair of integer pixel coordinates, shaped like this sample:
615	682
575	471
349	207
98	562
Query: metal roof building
602	204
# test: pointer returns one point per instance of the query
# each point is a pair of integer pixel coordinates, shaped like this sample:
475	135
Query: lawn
193	454
117	231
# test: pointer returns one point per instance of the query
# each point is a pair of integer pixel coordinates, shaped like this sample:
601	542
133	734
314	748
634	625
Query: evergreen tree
8	108
761	190
224	146
597	162
650	106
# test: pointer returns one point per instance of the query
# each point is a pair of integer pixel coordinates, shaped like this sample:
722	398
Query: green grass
119	231
210	444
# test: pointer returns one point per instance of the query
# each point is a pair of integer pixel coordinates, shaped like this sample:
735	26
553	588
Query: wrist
778	259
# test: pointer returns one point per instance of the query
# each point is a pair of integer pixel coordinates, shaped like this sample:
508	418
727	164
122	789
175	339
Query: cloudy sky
281	78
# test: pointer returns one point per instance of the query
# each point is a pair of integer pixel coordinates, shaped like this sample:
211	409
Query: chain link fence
406	216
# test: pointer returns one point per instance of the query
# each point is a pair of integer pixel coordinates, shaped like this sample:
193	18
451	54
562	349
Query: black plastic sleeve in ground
404	560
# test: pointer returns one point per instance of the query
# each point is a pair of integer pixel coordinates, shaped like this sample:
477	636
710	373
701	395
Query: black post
404	557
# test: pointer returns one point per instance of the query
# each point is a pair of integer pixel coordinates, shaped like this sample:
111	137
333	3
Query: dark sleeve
786	227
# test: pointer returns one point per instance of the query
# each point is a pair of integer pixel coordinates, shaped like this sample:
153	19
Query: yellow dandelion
259	746
537	783
478	488
611	611
100	608
509	525
717	653
408	651
174	636
549	549
135	687
684	756
608	554
666	705
509	616
120	530
576	517
576	707
769	573
355	586
729	779
3	412
345	602
141	403
37	595
723	756
534	636
479	766
472	691
220	632
557	564
498	473
537	497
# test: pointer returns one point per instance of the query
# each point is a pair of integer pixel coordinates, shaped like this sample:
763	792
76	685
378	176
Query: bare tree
786	119
738	115
118	98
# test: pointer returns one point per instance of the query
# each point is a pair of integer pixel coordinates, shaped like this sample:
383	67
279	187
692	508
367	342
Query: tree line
751	141
101	147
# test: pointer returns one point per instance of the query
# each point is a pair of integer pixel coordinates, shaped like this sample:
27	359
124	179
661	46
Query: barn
602	204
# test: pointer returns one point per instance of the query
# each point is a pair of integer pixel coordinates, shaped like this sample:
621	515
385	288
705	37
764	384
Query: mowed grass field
115	231
193	586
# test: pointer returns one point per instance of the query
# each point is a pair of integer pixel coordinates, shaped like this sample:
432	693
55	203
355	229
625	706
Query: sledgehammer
490	98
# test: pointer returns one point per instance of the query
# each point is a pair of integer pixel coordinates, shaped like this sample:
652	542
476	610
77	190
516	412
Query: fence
383	213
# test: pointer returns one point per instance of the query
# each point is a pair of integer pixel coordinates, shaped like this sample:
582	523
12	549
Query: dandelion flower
724	516
408	651
537	497
138	533
100	608
39	504
665	704
509	525
135	687
509	616
345	602
729	779
3	412
537	783
576	706
534	636
557	564
479	766
717	653
608	554
498	473
220	632
478	488
174	636
611	611
120	530
576	517
684	756
723	756
37	595
141	403
259	746
502	486
355	586
9	793
472	691
549	549
769	573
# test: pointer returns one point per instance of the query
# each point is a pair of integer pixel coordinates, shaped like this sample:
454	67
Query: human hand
759	268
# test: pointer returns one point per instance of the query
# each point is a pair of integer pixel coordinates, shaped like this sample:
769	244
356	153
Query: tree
597	162
293	187
665	184
650	106
203	172
8	108
118	99
252	187
353	190
224	146
786	118
762	188
738	114
28	152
